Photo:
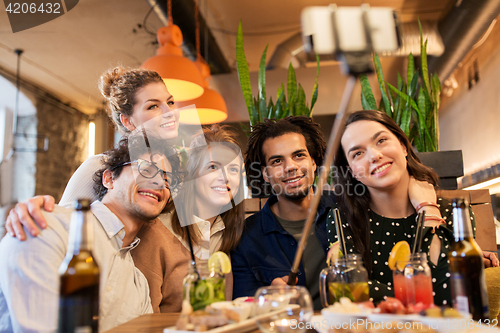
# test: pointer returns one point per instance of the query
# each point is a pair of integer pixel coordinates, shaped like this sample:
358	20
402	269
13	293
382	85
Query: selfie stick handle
331	150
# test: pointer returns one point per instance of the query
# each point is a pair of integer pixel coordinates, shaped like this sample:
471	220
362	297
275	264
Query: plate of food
221	317
342	314
391	317
446	319
345	311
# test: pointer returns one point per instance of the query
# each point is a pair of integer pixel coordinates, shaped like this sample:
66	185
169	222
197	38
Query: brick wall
24	162
68	139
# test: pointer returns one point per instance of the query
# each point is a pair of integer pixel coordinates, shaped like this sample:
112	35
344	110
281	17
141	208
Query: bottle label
79	312
458	293
462	304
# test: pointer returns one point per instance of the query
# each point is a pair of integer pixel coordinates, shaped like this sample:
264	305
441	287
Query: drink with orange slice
412	279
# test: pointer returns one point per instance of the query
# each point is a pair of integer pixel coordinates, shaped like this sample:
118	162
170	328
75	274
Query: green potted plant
414	106
258	107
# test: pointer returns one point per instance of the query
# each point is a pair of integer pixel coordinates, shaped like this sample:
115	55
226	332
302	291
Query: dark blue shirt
266	251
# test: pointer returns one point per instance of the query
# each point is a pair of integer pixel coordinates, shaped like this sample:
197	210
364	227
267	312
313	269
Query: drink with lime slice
207	290
212	287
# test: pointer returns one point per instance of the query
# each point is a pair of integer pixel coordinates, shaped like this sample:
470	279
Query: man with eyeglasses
132	192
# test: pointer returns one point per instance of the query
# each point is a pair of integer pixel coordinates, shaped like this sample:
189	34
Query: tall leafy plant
258	107
412	104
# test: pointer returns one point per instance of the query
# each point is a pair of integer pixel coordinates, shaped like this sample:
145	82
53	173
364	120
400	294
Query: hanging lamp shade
209	108
182	77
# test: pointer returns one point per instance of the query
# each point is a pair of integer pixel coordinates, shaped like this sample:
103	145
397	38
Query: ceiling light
209	108
181	76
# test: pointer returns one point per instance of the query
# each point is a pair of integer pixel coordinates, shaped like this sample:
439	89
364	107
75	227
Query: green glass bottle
468	284
79	276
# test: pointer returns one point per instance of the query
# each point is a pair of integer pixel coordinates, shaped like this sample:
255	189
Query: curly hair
233	217
355	207
119	86
121	154
272	128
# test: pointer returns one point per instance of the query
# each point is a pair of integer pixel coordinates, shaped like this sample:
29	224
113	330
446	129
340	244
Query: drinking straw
421	235
190	242
340	230
417	243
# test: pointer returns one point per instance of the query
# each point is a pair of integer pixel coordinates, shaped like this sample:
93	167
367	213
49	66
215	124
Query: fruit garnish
391	305
359	290
451	313
207	291
220	261
400	254
334	253
434	312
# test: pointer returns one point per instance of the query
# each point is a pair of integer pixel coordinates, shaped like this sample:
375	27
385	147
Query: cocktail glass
204	290
283	309
412	281
346	277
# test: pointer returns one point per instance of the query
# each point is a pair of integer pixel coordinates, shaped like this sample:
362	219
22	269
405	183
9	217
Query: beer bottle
468	285
79	276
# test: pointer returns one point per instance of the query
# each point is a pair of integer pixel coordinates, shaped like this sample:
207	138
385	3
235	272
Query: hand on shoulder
421	191
28	214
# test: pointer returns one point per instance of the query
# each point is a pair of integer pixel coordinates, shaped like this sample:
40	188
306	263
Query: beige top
211	237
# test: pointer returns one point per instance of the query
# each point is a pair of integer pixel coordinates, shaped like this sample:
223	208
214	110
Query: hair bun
109	79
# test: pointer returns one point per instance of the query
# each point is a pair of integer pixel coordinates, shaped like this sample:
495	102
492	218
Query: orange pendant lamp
181	75
209	108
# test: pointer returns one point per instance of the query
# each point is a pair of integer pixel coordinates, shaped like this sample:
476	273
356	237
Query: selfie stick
356	63
331	149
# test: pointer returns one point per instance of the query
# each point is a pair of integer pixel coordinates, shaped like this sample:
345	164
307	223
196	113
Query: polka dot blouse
386	232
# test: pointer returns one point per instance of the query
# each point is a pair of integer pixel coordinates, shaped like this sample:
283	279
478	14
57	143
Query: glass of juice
346	277
412	281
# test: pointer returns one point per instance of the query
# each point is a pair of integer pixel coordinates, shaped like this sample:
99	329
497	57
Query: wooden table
155	323
150	323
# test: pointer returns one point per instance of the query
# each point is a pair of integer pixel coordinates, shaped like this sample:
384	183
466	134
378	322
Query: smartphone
332	29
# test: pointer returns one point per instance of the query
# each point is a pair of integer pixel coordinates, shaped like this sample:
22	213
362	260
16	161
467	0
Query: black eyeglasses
149	170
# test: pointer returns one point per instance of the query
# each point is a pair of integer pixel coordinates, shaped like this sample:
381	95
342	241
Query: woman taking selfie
384	185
